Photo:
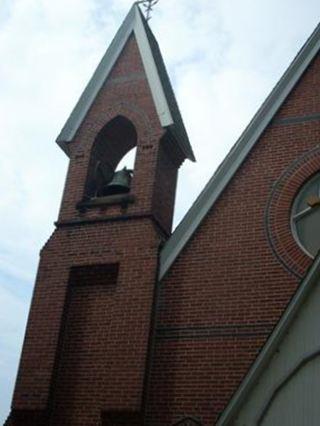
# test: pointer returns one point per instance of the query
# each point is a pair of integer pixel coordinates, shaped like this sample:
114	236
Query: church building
216	323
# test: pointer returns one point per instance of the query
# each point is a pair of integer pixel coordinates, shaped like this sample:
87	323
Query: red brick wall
218	303
229	286
81	359
164	194
86	348
134	245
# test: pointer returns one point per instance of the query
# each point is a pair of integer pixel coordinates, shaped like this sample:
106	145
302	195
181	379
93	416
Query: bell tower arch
112	143
95	154
92	311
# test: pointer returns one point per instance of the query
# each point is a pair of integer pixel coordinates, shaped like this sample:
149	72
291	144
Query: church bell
120	183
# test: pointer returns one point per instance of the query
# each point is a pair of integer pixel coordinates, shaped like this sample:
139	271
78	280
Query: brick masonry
87	341
104	343
229	286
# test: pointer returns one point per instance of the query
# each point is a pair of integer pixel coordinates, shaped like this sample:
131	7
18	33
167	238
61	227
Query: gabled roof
311	279
160	86
238	154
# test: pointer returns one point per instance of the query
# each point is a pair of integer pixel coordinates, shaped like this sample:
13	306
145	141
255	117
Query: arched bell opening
112	159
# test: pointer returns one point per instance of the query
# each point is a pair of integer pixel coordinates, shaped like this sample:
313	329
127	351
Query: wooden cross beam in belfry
148	6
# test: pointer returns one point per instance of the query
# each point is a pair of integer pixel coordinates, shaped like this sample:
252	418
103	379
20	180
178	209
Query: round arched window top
305	217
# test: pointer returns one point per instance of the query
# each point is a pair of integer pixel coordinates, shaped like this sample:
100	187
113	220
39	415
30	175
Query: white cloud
224	56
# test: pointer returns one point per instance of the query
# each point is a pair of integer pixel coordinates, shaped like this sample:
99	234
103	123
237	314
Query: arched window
116	139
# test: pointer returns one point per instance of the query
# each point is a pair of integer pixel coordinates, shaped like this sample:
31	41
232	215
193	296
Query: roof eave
187	152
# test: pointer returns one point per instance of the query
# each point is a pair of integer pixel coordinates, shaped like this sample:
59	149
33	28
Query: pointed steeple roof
160	86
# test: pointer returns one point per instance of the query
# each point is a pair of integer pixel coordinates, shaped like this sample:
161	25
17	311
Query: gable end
238	154
162	93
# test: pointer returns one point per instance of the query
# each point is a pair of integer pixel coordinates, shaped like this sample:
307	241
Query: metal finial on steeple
148	6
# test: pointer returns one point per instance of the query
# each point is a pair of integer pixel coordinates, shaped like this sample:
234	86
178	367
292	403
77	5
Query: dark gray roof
157	77
308	283
238	154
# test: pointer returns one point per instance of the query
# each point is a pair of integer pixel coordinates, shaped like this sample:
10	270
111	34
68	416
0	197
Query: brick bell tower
89	333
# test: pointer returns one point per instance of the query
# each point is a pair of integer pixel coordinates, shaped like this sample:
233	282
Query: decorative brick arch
148	135
278	212
139	118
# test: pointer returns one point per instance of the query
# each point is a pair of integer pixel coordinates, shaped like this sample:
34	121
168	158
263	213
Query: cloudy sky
223	56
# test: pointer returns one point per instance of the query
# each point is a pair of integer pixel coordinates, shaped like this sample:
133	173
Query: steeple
128	103
162	93
92	314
